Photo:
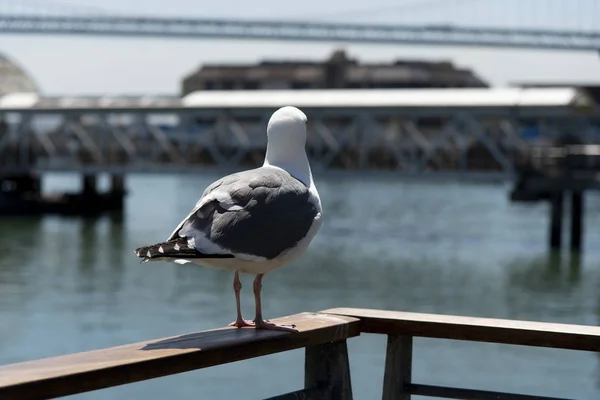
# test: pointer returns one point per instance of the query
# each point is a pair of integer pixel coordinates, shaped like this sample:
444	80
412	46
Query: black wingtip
142	253
173	249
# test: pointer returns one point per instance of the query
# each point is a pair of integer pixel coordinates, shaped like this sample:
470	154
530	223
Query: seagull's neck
294	161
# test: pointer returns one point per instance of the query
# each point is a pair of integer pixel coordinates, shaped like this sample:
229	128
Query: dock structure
416	132
553	173
324	336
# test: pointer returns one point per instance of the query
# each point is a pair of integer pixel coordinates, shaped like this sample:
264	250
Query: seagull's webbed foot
242	323
263	324
259	322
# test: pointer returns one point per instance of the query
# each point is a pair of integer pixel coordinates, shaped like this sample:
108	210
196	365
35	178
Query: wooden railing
323	335
402	327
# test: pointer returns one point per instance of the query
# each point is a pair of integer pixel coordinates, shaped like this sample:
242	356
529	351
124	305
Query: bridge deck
435	33
454	130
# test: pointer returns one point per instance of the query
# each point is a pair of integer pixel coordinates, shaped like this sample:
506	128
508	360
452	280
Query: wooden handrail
327	369
526	333
97	369
402	327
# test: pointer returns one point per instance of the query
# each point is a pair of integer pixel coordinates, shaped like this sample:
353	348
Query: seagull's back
252	221
260	212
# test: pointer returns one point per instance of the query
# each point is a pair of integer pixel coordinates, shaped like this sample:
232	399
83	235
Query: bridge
409	131
478	133
555	25
406	131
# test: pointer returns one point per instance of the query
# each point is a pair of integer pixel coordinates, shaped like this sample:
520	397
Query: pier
556	173
21	195
414	131
324	337
420	132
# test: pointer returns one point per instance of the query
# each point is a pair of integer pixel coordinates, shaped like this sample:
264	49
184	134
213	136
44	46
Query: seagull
253	221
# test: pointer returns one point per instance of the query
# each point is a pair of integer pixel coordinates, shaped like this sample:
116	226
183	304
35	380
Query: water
70	284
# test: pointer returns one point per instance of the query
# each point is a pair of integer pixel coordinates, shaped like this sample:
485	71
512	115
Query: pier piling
553	173
89	185
556	219
577	211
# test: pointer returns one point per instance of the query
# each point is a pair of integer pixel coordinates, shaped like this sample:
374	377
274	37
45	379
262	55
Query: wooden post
576	221
89	185
327	366
556	217
398	368
117	183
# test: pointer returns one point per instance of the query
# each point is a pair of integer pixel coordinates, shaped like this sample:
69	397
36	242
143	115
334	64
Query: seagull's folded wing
255	214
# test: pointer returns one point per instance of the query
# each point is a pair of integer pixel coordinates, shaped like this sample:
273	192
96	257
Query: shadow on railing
324	334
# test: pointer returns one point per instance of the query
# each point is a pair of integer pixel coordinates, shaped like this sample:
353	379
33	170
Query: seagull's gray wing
255	214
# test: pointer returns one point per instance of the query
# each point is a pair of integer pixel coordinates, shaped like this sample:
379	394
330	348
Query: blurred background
452	141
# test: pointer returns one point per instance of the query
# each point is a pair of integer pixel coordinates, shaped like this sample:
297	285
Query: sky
77	65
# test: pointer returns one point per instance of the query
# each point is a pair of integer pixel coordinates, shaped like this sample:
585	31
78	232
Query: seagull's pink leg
237	287
259	322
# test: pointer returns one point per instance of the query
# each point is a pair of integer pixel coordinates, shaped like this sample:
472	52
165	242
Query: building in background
13	79
590	88
531	128
338	72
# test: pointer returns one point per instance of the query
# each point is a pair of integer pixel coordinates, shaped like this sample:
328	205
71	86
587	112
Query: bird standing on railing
253	221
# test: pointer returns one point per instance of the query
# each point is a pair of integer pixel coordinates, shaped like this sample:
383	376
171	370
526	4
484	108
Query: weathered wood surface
398	368
327	366
81	372
539	334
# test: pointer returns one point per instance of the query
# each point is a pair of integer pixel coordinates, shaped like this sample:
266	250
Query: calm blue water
69	285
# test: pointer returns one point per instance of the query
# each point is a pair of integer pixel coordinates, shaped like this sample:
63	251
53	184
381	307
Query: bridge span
419	133
187	28
409	131
530	24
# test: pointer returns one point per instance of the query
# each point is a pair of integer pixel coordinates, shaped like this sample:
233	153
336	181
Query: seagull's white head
288	124
286	133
